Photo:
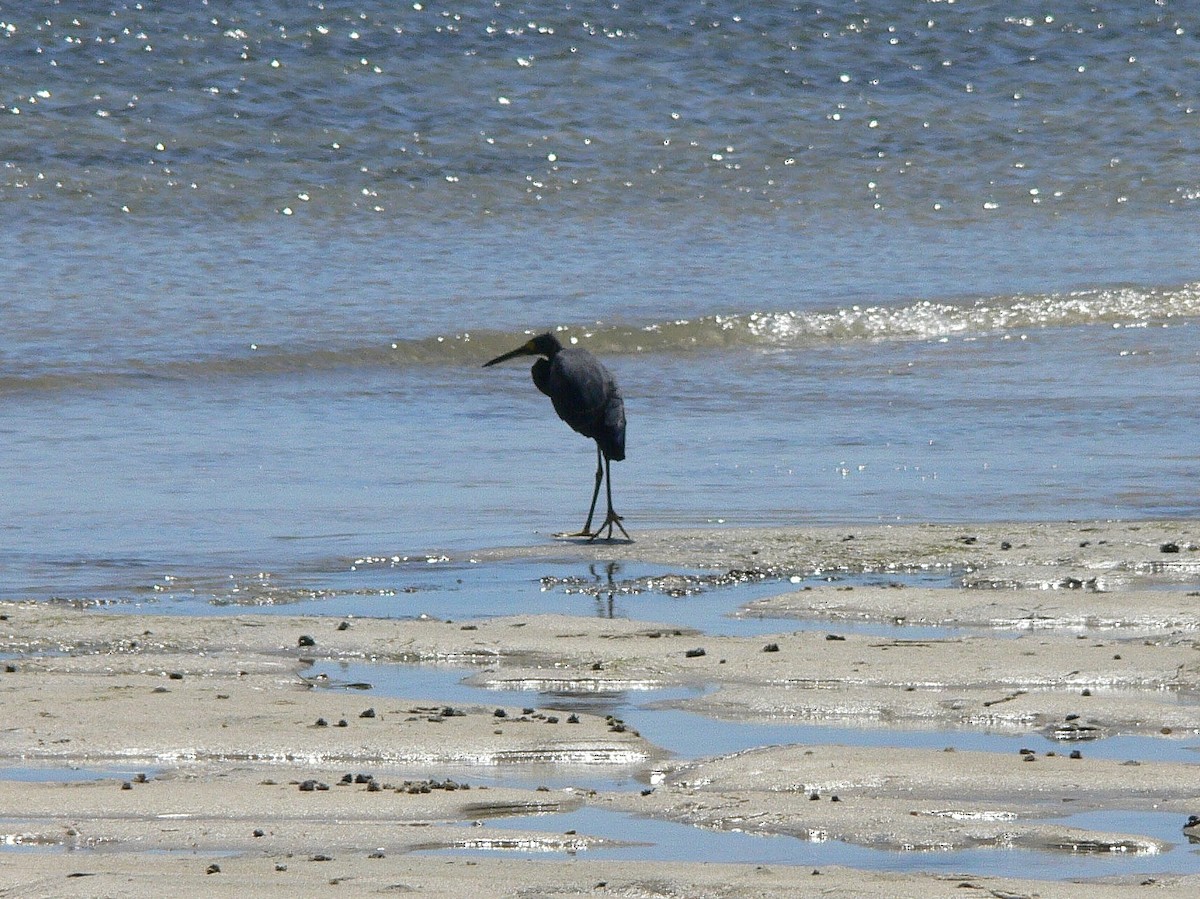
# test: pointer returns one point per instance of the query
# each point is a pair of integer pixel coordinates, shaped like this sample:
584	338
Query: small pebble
213	869
694	653
306	640
369	713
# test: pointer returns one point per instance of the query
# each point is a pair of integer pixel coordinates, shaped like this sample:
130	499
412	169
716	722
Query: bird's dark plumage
587	398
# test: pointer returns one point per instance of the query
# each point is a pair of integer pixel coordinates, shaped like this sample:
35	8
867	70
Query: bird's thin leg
587	528
612	517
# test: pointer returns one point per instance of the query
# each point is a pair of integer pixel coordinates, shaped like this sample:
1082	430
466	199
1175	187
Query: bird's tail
612	441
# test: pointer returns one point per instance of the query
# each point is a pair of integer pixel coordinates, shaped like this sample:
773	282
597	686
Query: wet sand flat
224	765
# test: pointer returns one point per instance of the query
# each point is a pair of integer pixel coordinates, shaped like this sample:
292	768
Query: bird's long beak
525	349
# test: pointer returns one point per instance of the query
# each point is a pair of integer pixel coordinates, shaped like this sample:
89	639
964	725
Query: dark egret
587	398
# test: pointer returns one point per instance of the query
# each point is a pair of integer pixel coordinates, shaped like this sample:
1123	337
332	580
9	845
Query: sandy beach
224	766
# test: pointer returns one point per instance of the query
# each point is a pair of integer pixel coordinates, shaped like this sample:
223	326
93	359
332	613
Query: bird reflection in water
605	607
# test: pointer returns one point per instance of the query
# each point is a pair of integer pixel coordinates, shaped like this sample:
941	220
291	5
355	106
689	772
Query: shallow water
45	773
653	714
903	262
668	841
464	589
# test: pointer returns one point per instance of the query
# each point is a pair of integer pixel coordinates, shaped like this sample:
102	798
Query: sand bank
220	761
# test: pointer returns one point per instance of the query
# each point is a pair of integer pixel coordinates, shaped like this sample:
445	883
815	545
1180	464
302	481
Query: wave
756	330
921	320
798	329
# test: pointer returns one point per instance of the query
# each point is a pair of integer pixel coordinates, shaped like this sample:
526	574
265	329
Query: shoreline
1090	626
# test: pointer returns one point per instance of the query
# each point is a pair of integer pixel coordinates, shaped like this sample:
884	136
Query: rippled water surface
849	262
870	262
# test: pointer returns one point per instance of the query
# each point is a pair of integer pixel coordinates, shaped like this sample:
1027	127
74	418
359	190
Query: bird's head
542	345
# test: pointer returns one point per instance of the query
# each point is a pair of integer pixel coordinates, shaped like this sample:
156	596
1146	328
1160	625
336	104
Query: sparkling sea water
873	261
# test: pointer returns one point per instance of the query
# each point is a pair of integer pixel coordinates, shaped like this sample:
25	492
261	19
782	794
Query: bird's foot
609	520
566	535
